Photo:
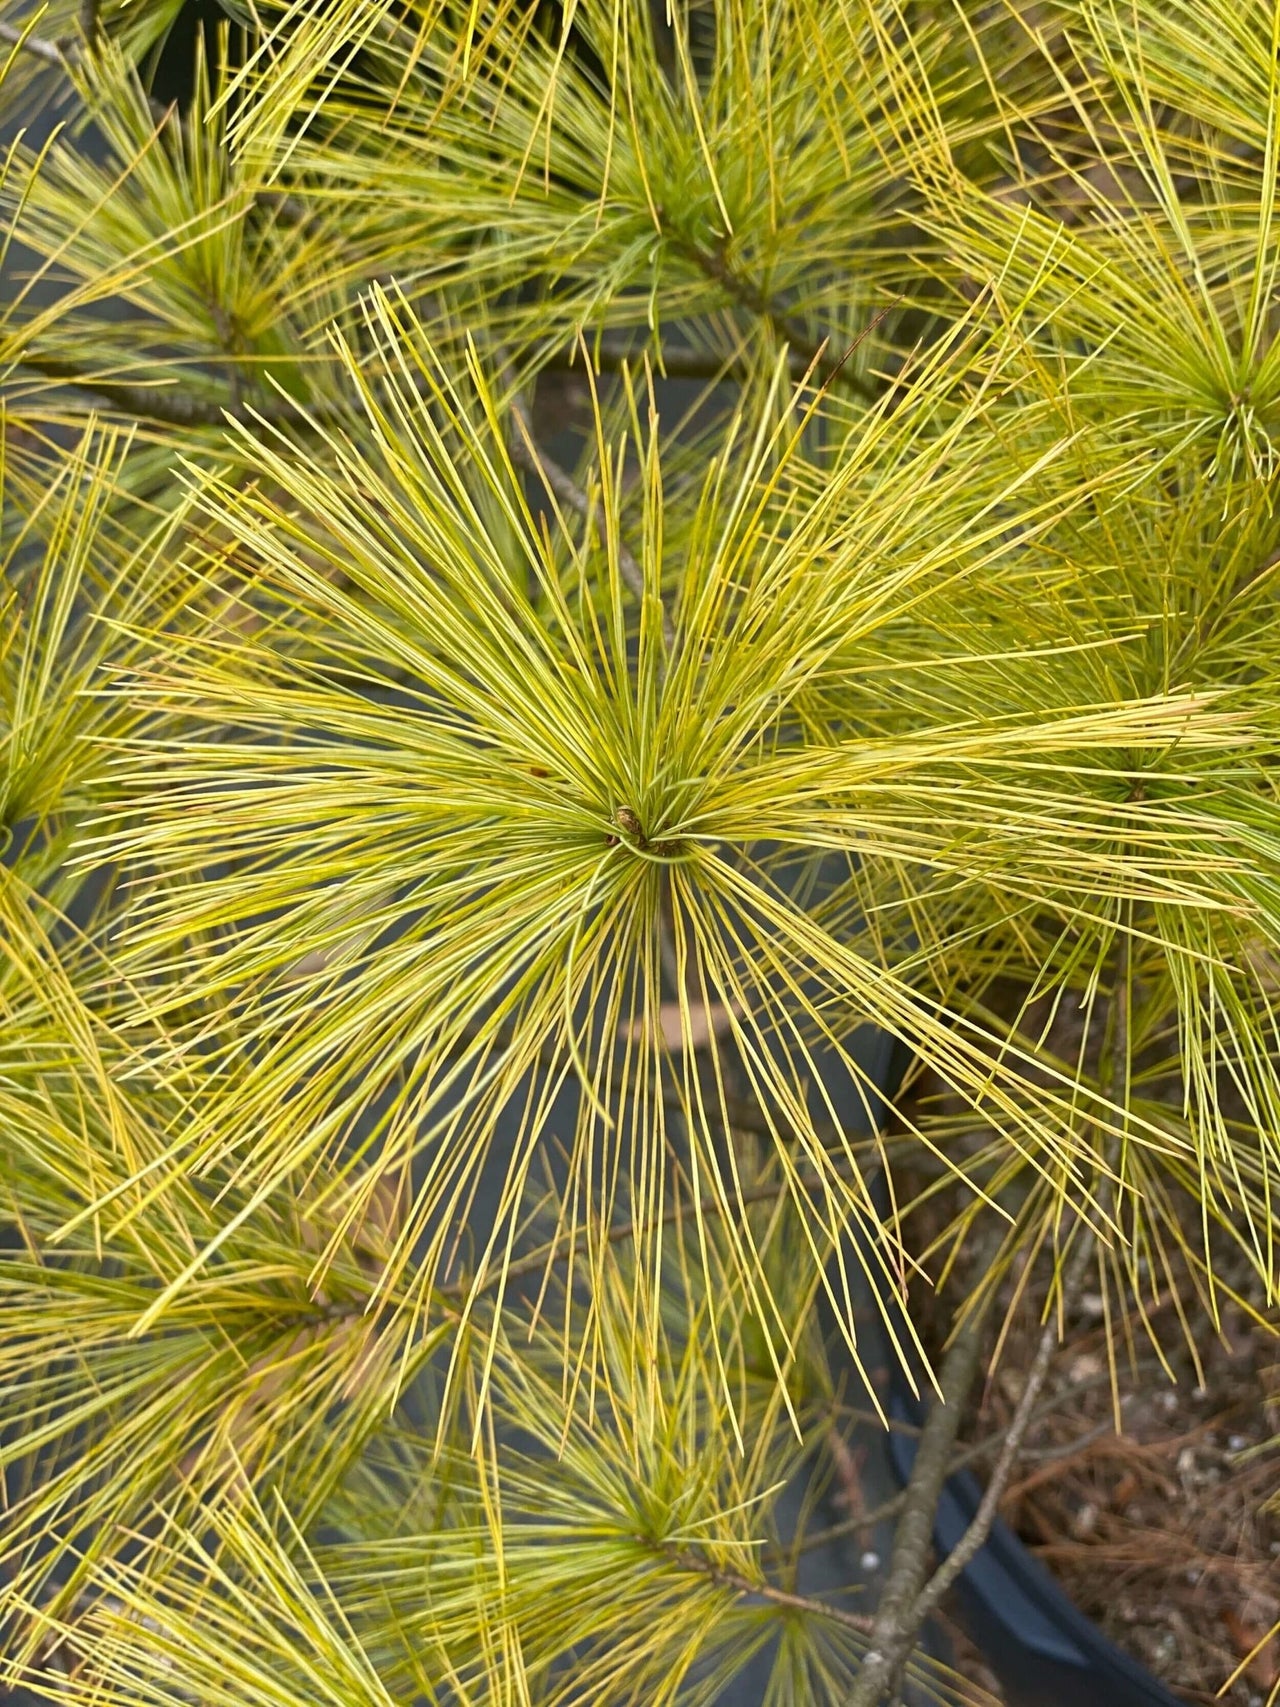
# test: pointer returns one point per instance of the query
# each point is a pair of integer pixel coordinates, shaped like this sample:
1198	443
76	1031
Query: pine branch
170	408
974	1453
903	1611
61	54
1197	640
562	1248
740	1585
975	1536
818	357
612	355
895	1627
67	53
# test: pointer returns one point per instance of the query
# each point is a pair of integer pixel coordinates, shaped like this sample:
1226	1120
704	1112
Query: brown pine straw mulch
1159	1532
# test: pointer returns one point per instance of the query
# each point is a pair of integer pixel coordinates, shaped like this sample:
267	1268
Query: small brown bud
626	820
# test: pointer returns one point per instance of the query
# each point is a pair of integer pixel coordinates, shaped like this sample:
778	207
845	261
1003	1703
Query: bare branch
967	1547
899	1619
59	53
967	1455
169	407
741	1585
896	1626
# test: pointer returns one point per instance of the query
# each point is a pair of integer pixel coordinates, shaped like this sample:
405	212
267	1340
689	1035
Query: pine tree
444	880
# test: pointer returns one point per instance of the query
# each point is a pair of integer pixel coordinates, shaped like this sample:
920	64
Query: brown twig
169	408
59	53
819	357
1053	1460
847	1464
741	1585
896	1626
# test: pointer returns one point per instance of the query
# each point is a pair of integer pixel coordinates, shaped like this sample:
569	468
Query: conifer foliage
450	856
